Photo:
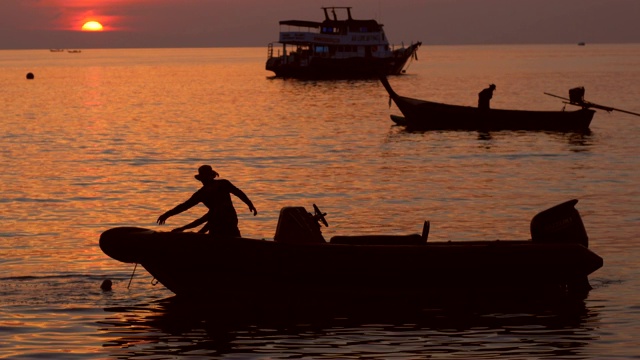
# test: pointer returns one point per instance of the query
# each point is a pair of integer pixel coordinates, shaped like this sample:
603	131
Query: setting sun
92	26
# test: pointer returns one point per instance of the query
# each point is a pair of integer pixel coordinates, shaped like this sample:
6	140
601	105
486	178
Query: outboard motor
559	224
576	95
297	226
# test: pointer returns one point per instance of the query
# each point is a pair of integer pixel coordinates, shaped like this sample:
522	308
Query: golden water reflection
341	329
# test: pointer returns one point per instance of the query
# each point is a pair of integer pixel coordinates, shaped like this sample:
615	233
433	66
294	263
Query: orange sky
72	14
208	23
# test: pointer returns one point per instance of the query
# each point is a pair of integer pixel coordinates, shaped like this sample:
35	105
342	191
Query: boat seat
413	239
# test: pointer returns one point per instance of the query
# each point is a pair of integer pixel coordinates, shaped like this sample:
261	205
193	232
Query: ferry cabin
332	38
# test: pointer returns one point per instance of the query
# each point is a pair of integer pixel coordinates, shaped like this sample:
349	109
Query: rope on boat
154	282
131	278
409	64
414	56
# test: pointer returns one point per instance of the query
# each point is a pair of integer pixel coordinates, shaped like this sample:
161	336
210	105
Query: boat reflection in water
301	327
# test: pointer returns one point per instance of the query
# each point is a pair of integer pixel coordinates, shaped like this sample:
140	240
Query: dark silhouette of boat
299	262
429	115
336	48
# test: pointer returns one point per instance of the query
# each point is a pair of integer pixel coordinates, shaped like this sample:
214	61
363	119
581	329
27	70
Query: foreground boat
336	48
299	260
428	115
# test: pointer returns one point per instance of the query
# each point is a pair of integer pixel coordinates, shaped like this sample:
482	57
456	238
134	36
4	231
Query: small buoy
30	76
106	285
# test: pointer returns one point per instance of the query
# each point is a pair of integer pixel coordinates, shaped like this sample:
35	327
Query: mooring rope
131	278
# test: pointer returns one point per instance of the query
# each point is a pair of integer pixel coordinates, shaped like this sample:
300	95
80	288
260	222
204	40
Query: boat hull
195	265
427	115
354	68
317	67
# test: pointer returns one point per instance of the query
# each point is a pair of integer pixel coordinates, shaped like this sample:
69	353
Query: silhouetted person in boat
484	97
215	195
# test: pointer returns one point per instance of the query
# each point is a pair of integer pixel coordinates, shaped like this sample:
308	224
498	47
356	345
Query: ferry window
322	49
330	30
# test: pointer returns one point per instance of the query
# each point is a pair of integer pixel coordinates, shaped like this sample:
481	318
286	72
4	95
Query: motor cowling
559	224
296	225
576	95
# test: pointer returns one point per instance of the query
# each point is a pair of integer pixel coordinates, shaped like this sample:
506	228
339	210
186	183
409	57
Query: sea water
113	137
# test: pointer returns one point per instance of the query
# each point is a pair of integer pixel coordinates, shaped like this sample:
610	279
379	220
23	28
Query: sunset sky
41	24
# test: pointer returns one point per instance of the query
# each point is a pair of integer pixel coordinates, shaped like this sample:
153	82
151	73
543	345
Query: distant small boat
582	43
336	48
428	115
74	51
56	50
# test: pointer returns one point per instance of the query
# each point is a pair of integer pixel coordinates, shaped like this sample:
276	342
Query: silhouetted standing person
484	97
215	195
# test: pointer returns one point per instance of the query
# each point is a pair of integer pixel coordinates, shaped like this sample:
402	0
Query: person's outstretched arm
242	196
205	228
193	200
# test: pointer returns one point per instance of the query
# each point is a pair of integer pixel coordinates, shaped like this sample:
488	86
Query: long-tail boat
428	115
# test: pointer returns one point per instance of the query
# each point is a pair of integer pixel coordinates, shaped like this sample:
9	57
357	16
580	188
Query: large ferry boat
336	48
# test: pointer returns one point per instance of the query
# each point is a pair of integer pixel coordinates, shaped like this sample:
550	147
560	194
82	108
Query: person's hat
206	172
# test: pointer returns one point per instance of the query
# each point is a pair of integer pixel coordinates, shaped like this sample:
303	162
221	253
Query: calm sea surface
109	138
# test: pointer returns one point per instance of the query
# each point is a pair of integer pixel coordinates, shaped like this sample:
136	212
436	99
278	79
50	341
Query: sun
92	26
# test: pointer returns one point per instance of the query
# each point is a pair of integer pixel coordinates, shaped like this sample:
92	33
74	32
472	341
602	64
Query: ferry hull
356	67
